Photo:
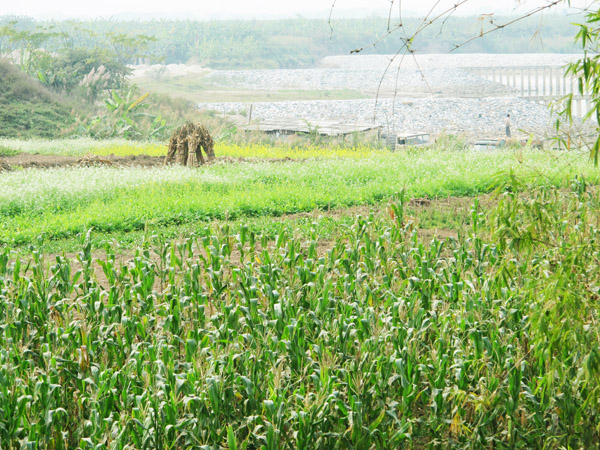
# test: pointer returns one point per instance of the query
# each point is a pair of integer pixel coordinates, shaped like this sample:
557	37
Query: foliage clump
7	151
124	116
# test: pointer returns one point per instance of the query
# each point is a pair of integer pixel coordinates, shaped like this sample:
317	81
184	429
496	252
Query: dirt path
28	160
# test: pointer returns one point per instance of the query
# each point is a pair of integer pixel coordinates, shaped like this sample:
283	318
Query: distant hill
27	109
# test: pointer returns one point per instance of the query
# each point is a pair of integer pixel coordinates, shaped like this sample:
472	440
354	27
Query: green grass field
64	202
327	299
82	146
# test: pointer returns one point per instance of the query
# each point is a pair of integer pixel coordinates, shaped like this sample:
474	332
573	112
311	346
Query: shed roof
323	127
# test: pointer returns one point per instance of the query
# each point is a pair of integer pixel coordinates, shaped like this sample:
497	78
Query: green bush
6	151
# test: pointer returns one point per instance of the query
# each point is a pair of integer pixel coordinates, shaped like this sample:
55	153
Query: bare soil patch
28	160
4	167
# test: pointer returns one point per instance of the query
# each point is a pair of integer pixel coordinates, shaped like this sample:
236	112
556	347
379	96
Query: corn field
375	339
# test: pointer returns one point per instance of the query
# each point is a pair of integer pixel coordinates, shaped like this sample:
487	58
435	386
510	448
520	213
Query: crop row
63	202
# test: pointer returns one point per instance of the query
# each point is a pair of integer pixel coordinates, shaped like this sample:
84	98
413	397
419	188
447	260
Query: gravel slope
433	93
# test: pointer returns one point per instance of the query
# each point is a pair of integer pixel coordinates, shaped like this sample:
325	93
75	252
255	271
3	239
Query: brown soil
28	160
4	167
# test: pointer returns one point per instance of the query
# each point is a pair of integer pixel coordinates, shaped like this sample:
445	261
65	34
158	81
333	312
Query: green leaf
231	440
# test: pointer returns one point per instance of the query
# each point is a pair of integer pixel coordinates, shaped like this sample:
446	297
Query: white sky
202	9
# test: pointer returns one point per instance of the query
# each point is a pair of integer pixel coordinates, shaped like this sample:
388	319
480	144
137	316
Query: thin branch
407	40
329	20
405	47
424	24
518	19
390	15
444	22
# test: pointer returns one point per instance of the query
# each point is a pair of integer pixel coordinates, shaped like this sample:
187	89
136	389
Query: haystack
187	143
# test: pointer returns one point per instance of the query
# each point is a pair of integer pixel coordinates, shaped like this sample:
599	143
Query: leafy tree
33	59
291	43
126	47
62	61
587	70
71	66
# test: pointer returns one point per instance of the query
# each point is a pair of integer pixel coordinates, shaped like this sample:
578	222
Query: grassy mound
27	109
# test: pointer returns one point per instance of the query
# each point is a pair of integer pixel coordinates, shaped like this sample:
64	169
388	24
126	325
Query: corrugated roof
324	127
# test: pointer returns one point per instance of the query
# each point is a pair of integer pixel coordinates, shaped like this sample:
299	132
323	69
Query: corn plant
376	339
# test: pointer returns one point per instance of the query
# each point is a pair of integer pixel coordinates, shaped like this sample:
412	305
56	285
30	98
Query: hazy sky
249	8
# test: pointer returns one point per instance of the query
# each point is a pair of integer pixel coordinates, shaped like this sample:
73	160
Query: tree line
290	43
